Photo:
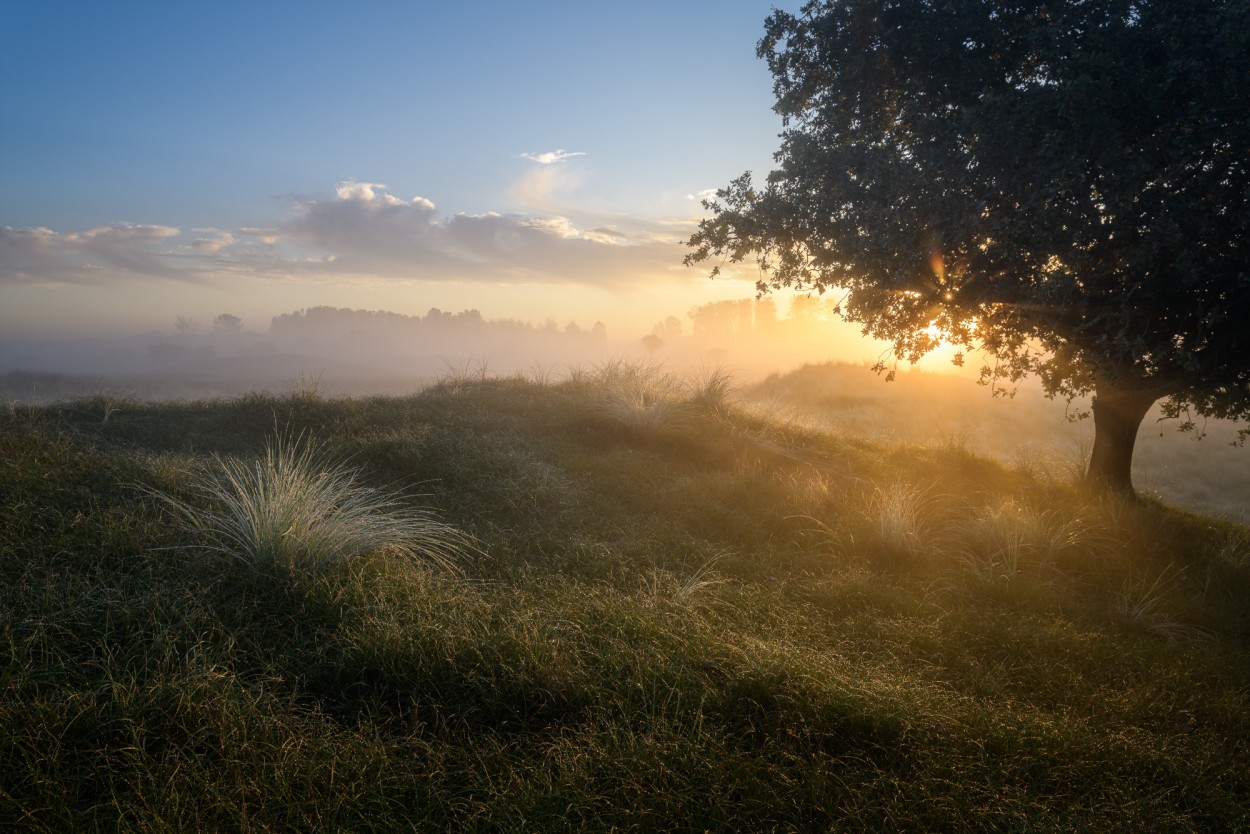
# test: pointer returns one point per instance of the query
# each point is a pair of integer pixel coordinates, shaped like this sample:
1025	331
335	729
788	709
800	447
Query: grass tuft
713	390
662	586
898	515
1011	535
640	398
298	509
1149	603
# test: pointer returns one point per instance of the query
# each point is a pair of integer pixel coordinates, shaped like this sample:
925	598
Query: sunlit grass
666	587
1149	602
713	390
899	521
754	626
639	397
1011	535
298	509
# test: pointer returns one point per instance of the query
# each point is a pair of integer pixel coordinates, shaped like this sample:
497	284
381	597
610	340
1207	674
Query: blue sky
526	158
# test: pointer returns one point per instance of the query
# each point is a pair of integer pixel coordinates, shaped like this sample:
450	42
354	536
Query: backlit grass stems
298	509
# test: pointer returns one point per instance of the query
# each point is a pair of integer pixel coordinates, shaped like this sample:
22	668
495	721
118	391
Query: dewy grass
651	645
1147	602
640	398
897	514
295	508
662	585
1011	535
712	390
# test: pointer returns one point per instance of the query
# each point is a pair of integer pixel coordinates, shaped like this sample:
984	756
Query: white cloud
44	255
266	236
550	157
359	232
123	233
372	192
213	245
362	219
357	191
25	254
376	235
705	194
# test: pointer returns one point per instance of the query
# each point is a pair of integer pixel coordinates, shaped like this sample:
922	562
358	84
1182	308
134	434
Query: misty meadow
618	600
350	511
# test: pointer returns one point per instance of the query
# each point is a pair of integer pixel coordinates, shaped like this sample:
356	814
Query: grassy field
620	601
1201	470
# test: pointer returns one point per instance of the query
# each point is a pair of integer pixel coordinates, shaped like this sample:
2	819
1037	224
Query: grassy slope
681	619
1199	470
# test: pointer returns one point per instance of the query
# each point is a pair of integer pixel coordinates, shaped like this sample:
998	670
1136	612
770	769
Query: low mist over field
357	353
372	351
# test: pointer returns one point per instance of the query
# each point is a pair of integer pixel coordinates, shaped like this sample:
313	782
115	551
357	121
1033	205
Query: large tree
1065	185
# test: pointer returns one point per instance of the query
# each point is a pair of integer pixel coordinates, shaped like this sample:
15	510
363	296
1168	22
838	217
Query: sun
943	357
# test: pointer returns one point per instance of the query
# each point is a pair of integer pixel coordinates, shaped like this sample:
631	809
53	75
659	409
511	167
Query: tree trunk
1118	413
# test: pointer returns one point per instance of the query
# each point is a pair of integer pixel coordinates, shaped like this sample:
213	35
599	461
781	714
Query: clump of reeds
297	508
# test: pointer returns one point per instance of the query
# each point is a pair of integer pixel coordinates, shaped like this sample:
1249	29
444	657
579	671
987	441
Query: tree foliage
1065	185
227	323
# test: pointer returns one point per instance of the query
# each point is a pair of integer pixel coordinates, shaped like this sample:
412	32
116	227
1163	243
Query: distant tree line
322	323
732	318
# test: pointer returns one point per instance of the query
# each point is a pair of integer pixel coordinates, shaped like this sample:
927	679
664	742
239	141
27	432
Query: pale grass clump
540	375
616	373
456	376
1234	546
810	493
712	390
645	399
304	387
1012	535
643	411
1123	513
665	587
1148	603
639	397
895	522
298	509
898	515
103	404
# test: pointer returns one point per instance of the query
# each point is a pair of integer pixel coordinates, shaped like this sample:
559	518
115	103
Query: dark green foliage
1064	185
710	629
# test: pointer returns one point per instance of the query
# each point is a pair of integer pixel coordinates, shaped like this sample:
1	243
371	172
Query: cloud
25	254
363	219
136	249
539	187
372	192
550	157
705	194
374	233
359	232
213	245
266	236
41	254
